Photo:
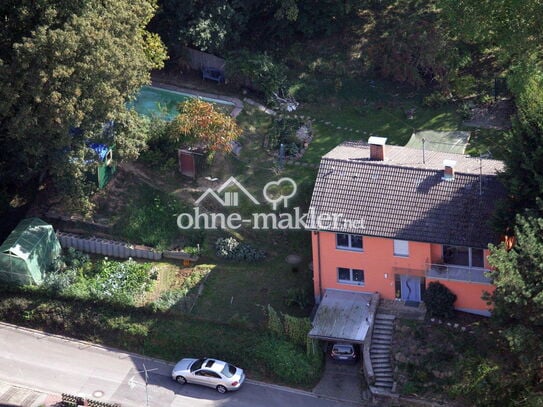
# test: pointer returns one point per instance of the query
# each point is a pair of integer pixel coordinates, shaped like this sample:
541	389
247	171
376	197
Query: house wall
380	266
468	295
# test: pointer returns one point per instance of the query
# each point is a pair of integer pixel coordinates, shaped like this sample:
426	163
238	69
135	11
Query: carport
344	316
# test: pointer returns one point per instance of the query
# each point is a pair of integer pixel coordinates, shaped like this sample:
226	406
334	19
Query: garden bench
214	74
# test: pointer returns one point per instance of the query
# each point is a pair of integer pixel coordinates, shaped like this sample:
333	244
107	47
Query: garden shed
28	251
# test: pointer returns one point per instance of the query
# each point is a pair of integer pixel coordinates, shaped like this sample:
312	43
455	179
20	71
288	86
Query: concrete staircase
380	353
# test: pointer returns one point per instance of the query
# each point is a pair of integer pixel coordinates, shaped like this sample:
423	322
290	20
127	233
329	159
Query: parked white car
221	376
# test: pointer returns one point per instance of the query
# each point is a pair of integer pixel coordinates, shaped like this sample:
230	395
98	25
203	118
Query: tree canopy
518	298
517	273
510	28
217	26
67	69
199	123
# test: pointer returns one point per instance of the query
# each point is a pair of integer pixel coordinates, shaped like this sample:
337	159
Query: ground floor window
350	276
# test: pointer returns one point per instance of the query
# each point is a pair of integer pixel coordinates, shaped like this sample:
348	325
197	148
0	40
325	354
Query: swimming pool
159	102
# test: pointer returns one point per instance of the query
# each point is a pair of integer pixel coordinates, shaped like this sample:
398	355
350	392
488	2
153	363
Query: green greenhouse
28	251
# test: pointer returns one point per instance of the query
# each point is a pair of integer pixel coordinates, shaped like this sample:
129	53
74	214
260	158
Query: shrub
297	329
485	99
58	280
463	86
257	70
287	362
297	297
435	99
464	110
66	270
231	249
194	251
292	149
274	323
439	300
284	131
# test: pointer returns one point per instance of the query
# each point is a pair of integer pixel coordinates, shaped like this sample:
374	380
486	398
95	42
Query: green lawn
239	292
349	120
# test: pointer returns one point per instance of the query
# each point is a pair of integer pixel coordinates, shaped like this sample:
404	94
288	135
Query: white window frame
351	281
350	246
401	248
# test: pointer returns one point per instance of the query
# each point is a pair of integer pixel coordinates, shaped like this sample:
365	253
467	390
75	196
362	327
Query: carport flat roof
344	316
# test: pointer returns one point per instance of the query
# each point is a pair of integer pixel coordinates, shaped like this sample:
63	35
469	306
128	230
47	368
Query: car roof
213	364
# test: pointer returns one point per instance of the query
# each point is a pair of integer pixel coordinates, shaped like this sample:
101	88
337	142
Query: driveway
341	382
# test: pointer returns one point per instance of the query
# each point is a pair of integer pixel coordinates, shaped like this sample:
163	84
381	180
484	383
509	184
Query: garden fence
107	247
198	59
70	400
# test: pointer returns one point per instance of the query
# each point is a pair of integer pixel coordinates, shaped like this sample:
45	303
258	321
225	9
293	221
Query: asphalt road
54	364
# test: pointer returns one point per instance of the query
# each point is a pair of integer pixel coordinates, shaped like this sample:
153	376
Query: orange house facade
391	221
396	274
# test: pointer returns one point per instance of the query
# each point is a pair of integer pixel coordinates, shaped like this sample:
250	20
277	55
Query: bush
286	361
292	149
439	300
161	152
464	110
435	99
66	270
230	249
463	86
274	325
297	297
258	70
297	329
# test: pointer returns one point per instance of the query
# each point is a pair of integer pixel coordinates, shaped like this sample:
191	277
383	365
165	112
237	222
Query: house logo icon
231	198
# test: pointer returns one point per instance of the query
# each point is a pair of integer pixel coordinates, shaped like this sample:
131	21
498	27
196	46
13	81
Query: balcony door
463	256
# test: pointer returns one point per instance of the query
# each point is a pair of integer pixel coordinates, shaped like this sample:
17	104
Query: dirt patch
496	116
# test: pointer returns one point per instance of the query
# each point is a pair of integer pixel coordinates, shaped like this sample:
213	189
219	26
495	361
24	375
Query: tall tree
518	298
216	25
67	68
413	45
523	175
510	28
517	273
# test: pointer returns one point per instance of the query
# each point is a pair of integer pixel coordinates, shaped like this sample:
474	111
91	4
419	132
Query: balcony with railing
458	273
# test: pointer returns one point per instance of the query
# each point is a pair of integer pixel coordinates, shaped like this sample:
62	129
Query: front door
410	288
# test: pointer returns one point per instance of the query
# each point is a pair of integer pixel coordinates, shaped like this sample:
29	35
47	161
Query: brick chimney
448	171
377	148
